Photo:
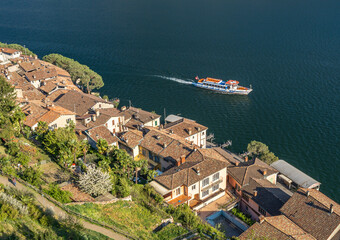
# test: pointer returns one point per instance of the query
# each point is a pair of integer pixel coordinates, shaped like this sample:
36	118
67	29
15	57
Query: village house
42	74
254	182
278	227
130	141
81	103
8	53
188	129
198	179
163	151
137	118
100	132
54	116
315	213
30	66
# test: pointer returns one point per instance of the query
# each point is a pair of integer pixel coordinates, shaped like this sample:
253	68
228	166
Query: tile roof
278	227
61	110
48	86
9	50
140	116
41	74
233	158
186	173
102	132
269	196
33	94
312	213
165	146
131	138
77	101
33	112
251	169
31	65
49	117
185	127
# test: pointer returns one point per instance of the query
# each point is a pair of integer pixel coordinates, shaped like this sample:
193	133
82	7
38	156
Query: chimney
237	163
246	158
97	113
307	193
261	219
182	159
195	148
123	108
255	193
178	163
331	208
264	172
198	171
80	133
171	131
165	145
157	137
94	118
189	131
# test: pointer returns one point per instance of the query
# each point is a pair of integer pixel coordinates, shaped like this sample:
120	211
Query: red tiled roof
278	227
312	213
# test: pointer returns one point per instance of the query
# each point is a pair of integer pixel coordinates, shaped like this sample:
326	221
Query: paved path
61	213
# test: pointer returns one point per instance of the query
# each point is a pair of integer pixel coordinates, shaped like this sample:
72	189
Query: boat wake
182	81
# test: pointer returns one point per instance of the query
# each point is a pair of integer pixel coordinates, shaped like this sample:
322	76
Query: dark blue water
288	50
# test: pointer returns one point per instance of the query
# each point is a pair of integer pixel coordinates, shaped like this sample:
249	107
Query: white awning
159	188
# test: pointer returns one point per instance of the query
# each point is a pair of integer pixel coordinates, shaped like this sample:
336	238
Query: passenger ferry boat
218	85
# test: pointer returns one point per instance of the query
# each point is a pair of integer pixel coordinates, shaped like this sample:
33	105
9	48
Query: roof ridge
279	229
336	212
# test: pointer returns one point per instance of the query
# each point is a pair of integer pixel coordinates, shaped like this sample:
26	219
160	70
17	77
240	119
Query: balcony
182	199
212	184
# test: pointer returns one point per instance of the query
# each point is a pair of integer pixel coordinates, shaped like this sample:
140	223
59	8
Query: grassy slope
127	216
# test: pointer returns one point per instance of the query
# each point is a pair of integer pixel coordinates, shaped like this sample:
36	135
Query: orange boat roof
232	82
213	80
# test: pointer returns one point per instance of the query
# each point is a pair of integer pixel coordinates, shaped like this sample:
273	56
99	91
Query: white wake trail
174	79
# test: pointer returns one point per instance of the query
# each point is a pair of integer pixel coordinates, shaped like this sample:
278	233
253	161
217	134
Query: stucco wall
62	121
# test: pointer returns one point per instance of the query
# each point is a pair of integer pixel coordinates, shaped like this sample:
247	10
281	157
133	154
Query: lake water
147	52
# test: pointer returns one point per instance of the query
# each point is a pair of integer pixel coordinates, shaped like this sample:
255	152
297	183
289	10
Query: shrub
7	211
122	187
58	194
32	176
245	218
5	198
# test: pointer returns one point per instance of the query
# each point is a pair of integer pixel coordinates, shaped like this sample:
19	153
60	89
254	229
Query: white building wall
62	121
200	139
153	123
103	104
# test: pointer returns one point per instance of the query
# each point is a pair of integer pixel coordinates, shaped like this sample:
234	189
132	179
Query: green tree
102	146
257	148
80	74
58	194
122	187
24	50
41	130
32	176
261	150
7	102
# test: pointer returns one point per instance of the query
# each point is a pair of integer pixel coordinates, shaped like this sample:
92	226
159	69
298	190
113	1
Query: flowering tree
95	182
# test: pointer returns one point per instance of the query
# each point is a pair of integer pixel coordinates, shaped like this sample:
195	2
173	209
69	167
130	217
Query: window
113	122
205	182
202	133
156	123
157	159
216	176
262	211
215	188
178	191
68	120
54	126
144	152
193	187
205	193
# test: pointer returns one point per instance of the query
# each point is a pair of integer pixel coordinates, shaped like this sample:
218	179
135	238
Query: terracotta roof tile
41	74
312	213
278	227
31	65
251	169
131	138
185	127
102	132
